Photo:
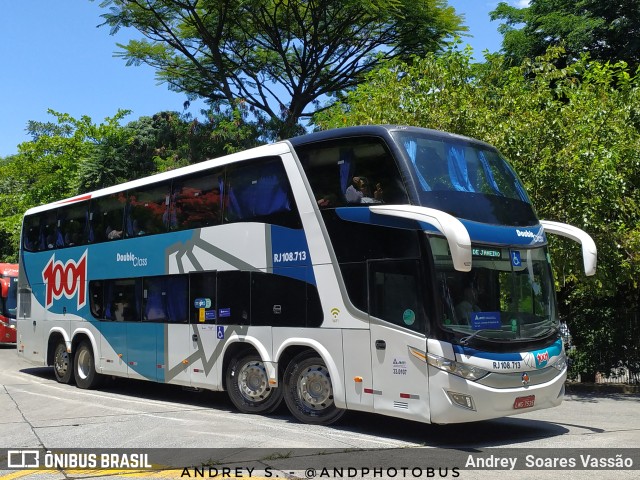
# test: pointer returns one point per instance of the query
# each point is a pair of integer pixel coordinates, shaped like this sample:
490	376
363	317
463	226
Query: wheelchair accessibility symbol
515	258
220	332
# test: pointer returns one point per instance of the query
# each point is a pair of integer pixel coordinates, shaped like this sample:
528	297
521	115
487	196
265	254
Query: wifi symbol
335	312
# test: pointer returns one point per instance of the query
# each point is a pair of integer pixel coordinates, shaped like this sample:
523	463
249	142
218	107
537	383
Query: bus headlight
561	364
468	372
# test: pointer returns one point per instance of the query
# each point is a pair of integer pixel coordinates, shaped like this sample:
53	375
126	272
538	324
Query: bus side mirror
5	287
589	250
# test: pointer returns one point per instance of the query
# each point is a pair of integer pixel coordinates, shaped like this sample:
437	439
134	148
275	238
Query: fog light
462	400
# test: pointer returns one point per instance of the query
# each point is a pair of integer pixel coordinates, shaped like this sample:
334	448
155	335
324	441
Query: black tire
84	367
308	390
248	386
63	363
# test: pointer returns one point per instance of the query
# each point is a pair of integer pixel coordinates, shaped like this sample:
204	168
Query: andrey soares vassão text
536	462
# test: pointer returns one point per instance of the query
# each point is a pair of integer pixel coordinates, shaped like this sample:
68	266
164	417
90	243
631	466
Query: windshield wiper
464	341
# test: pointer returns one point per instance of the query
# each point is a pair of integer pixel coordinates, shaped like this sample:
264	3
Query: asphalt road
202	427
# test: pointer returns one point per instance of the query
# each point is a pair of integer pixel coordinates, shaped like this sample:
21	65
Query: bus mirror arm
589	250
454	231
5	287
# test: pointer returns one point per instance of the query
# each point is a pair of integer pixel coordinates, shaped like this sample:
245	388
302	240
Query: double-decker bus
385	269
8	305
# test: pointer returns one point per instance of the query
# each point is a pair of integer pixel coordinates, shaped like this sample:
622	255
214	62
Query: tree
571	133
276	57
607	30
165	141
69	156
45	169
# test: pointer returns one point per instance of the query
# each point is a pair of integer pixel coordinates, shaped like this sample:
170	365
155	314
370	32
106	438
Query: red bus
8	306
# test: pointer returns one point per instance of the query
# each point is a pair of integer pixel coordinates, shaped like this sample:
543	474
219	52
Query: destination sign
486	252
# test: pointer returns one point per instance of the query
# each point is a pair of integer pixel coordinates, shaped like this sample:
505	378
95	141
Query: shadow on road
490	433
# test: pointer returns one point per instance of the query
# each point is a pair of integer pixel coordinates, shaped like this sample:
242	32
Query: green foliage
571	133
69	156
45	168
276	56
607	30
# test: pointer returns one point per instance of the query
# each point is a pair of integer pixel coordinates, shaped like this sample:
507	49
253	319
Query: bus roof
277	148
378	130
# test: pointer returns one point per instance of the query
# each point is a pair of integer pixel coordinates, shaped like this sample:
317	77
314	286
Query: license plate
524	402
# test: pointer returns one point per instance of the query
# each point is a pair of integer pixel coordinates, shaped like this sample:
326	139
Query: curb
601	388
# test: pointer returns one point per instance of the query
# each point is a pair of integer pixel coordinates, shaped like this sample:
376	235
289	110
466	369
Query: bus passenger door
205	346
205	337
166	301
173	355
398	342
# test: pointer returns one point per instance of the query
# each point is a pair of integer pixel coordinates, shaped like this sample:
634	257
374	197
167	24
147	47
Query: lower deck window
223	298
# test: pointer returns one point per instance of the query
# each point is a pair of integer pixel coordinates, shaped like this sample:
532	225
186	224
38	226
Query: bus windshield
9	304
508	294
467	179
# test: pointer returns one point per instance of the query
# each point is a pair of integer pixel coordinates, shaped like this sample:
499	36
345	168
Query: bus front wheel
63	364
85	367
248	386
308	391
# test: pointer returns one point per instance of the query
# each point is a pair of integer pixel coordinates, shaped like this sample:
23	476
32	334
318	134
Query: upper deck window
352	172
259	191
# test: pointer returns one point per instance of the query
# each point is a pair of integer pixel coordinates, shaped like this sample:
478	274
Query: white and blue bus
385	269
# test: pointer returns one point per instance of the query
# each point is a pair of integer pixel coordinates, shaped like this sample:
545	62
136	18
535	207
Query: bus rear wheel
62	364
308	390
248	386
85	367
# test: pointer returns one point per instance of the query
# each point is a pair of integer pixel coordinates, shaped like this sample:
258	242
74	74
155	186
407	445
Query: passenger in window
112	233
124	311
96	309
360	191
468	305
327	201
138	230
119	311
71	239
54	239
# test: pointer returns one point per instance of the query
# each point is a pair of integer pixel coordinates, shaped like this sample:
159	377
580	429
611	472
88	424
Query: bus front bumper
455	400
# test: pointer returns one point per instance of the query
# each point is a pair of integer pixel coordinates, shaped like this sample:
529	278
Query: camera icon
23	459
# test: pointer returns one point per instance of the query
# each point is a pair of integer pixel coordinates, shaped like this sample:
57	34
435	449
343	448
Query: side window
73	223
164	299
233	294
352	172
202	302
196	201
122	300
50	234
96	298
259	191
31	239
106	218
396	293
148	210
